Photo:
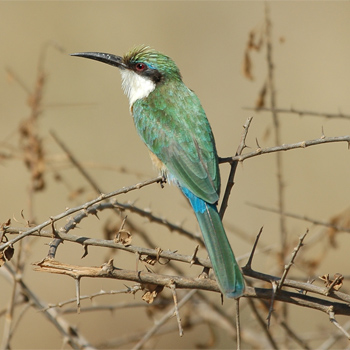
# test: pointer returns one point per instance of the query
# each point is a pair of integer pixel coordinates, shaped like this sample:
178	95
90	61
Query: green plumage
173	125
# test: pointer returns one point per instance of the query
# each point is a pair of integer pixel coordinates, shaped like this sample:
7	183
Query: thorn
85	247
249	263
194	255
257	143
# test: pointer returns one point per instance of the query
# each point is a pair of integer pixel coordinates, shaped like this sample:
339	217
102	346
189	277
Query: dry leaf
247	66
150	260
8	253
260	102
124	237
328	282
152	290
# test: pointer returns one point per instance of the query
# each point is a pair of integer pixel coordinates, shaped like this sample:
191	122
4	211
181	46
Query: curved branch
109	271
302	144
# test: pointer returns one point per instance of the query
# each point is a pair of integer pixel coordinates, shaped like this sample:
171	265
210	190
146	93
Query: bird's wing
175	128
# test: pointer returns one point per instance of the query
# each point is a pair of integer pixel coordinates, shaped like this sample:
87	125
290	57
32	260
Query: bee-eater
172	123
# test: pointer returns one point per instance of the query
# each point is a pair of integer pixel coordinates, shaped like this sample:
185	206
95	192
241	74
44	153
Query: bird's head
142	69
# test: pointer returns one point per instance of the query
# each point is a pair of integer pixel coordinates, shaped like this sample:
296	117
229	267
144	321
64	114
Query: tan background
87	109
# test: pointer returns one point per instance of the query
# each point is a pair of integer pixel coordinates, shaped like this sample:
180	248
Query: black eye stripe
144	70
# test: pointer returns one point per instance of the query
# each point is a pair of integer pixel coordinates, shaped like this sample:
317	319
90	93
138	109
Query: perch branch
230	180
302	144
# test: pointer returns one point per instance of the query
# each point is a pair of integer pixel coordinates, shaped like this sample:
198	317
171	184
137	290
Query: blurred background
84	105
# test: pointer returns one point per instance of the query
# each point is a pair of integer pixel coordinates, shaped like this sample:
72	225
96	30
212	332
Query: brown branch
181	282
86	241
231	176
75	162
300	112
71	335
85	208
164	319
302	217
336	323
262	325
272	91
287	147
300	286
291	262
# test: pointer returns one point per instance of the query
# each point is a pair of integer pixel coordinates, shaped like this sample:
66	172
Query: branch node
108	267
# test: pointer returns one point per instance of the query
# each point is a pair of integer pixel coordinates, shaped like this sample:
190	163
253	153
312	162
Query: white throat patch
135	86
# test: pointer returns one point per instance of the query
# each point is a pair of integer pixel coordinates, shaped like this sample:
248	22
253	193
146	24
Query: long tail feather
226	269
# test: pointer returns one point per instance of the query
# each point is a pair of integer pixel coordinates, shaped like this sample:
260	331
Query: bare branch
291	262
335	322
303	217
86	241
287	147
231	176
69	333
163	320
83	207
109	271
300	112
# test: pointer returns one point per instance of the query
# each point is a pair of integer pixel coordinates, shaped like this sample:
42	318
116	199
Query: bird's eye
140	67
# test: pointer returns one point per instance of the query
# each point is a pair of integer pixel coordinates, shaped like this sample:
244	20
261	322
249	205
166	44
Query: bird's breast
159	165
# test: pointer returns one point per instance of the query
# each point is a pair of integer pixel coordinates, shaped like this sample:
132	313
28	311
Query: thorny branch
231	176
109	271
100	204
301	112
287	147
85	208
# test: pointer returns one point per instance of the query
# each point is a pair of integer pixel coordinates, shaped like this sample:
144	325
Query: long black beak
108	58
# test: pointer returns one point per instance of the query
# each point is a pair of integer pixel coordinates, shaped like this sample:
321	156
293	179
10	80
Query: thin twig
336	323
291	262
230	179
300	112
334	338
302	217
287	328
74	338
176	308
287	147
250	260
75	162
127	290
83	207
163	320
277	130
272	302
262	324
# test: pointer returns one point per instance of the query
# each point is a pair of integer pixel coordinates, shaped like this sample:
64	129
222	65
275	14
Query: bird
171	121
